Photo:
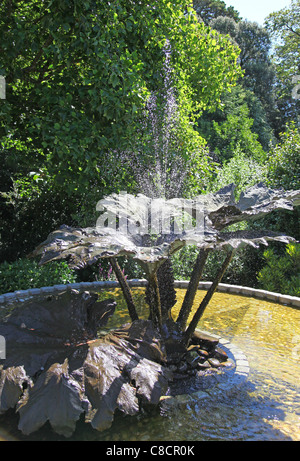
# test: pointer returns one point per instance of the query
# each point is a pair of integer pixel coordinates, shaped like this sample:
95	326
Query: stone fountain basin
21	295
234	379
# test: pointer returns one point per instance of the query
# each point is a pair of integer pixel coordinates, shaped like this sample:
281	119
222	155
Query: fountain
54	352
157	157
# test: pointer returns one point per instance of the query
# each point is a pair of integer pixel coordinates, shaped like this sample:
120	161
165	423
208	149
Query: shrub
241	170
24	274
284	171
31	208
284	160
102	270
282	273
242	270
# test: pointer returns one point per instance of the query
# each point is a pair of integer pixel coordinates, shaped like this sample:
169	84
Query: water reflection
266	408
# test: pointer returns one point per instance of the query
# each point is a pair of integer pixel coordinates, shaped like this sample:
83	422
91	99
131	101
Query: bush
281	274
241	170
24	274
284	160
242	270
31	208
284	171
102	270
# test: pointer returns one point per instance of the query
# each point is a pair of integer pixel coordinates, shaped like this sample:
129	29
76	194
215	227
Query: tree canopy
284	28
259	71
79	74
207	10
78	71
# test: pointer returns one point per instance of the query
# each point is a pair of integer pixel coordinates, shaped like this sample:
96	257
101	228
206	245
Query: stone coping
22	295
232	380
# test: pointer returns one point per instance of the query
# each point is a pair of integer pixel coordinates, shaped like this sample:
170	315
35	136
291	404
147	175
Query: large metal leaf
57	368
257	201
239	239
214	212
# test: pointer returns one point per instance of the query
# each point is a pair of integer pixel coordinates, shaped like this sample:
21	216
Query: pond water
267	407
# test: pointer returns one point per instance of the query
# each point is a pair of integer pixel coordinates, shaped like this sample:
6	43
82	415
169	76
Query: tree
283	171
210	9
78	73
281	273
241	170
247	119
259	73
284	27
235	127
284	160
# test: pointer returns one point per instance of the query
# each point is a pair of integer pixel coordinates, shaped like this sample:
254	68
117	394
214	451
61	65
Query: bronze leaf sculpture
54	353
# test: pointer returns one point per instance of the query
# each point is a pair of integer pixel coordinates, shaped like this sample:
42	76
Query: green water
266	408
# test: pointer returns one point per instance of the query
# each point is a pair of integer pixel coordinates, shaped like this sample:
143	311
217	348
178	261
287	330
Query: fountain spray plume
158	158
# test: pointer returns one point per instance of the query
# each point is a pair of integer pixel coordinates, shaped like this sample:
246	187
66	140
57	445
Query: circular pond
266	407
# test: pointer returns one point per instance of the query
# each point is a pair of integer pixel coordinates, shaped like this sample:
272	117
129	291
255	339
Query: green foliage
29	210
284	27
284	160
284	24
207	10
77	72
248	115
241	170
281	274
241	271
232	128
236	132
23	274
259	72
